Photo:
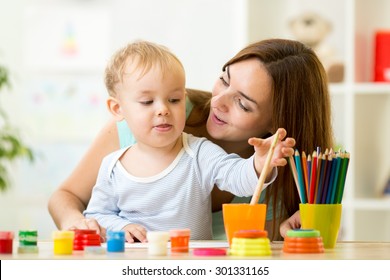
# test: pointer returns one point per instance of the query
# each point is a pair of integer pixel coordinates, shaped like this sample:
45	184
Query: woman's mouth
218	120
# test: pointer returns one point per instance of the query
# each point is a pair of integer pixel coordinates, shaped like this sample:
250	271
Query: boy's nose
162	110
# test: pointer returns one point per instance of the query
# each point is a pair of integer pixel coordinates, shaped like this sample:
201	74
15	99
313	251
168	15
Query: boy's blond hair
145	55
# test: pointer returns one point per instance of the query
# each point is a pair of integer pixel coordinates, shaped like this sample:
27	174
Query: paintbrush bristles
260	182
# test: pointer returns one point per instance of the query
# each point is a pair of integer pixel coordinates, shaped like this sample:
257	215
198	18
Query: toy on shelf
386	191
311	29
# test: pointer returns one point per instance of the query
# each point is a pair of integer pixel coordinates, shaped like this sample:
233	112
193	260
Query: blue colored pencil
322	179
331	179
327	179
298	164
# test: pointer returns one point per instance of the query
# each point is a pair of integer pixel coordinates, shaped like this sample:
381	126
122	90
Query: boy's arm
103	203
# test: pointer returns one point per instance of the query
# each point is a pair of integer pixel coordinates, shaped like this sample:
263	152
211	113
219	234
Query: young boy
164	181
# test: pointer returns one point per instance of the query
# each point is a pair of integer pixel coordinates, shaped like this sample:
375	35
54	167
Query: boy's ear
115	108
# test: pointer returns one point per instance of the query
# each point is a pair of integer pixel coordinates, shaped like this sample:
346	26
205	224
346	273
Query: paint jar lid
84	231
156	236
180	232
209	252
91	236
303	233
252	233
63	234
28	233
116	235
6	234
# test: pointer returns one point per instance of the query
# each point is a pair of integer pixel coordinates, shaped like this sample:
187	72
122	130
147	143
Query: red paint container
85	237
180	239
6	240
382	56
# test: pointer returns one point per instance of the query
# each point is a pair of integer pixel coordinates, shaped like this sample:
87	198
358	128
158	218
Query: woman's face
241	106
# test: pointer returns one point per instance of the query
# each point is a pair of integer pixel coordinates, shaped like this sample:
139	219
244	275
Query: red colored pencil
313	177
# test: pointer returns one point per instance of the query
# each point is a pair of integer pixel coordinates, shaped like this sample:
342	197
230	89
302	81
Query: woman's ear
115	108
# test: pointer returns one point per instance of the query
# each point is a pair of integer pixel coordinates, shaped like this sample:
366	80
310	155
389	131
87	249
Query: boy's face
153	105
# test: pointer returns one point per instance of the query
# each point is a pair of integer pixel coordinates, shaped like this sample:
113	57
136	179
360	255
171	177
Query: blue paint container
115	241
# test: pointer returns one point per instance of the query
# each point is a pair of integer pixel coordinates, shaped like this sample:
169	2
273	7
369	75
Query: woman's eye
242	106
224	82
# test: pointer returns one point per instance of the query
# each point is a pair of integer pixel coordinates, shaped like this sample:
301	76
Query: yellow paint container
63	242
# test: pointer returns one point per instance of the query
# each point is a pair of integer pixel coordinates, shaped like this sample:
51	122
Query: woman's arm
68	202
294	222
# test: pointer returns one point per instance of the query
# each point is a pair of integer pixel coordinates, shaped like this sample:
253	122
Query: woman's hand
90	224
294	222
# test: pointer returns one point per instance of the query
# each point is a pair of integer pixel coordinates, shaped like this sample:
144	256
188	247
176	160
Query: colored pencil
322	179
308	173
331	179
319	163
298	164
335	179
343	174
295	175
260	182
304	169
313	177
326	188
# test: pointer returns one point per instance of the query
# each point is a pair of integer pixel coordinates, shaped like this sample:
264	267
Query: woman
269	84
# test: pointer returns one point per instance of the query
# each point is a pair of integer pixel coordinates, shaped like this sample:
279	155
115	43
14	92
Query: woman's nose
220	101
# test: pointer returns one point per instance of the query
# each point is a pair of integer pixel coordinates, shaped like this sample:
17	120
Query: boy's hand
135	232
283	149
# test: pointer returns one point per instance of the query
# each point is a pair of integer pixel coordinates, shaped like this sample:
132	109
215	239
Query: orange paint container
180	239
243	216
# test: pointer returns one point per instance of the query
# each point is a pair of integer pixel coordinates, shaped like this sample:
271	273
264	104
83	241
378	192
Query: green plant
11	145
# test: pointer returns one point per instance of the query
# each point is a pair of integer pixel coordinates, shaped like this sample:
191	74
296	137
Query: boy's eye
146	102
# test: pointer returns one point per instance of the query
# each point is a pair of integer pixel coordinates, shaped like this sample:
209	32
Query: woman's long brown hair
301	105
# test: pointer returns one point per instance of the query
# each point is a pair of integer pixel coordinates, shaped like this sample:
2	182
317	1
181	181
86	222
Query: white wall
57	98
58	104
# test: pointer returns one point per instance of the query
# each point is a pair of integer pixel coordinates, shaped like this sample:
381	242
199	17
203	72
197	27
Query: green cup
323	217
